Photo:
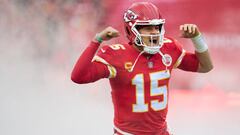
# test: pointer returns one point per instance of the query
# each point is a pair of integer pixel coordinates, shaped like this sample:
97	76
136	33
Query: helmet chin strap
136	61
151	50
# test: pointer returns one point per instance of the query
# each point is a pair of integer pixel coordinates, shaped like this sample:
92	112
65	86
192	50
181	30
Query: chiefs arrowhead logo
129	16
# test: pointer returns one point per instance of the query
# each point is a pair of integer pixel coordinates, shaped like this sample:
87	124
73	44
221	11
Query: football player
139	72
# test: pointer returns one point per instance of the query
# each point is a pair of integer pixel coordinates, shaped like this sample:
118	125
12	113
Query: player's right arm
86	70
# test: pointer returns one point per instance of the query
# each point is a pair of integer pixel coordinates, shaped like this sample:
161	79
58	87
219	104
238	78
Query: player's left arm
201	48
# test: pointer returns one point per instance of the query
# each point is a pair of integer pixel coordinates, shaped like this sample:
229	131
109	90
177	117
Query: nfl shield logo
150	64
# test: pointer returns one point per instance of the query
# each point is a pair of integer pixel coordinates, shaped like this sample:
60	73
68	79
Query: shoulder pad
168	40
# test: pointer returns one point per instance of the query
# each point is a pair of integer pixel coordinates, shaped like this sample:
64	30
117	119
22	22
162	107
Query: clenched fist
107	34
189	30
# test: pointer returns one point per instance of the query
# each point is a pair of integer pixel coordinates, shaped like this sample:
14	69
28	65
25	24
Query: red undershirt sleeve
86	70
186	61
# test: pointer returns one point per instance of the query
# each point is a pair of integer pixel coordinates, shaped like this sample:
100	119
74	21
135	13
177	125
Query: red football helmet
143	13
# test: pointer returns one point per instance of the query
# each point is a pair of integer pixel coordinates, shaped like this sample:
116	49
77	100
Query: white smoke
40	40
37	52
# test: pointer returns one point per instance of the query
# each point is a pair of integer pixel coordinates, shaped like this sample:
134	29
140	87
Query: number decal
158	90
117	47
155	90
140	105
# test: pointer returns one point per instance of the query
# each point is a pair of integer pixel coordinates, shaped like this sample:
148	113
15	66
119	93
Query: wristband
98	38
199	44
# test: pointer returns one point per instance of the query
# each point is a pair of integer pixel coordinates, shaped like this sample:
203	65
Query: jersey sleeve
189	62
86	70
105	56
186	61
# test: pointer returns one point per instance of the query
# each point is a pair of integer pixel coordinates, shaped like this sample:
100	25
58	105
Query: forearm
202	53
205	63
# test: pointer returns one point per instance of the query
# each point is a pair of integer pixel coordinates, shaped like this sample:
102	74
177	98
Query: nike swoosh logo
103	50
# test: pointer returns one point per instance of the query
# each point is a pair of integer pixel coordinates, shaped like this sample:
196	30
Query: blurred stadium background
40	40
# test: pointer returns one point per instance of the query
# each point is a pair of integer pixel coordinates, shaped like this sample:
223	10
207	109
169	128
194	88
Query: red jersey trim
180	58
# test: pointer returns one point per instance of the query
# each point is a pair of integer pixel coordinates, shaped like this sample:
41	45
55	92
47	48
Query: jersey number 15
155	90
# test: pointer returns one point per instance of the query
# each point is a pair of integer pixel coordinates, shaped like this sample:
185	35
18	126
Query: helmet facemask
137	18
154	41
